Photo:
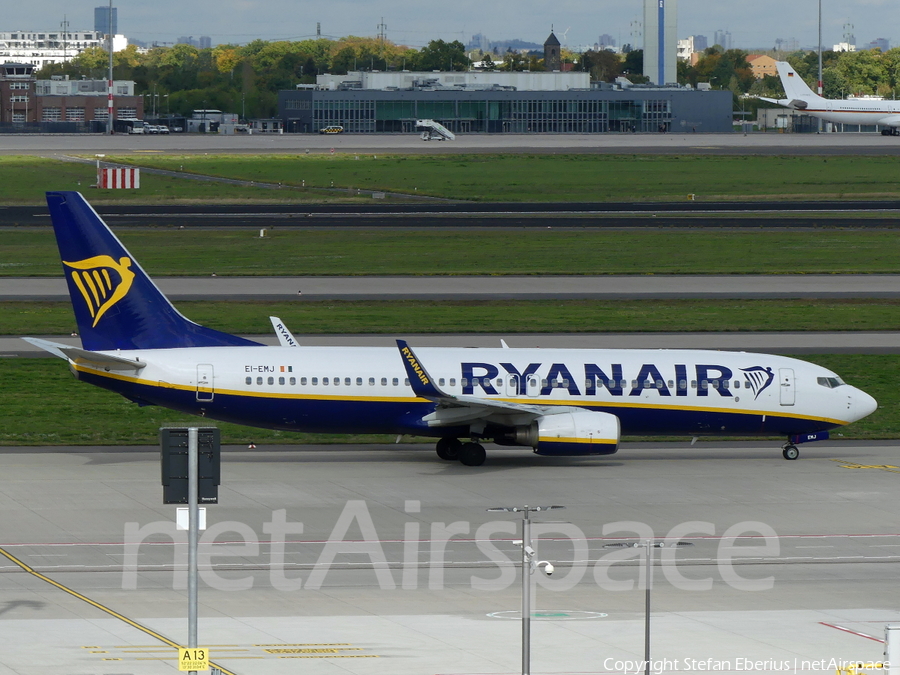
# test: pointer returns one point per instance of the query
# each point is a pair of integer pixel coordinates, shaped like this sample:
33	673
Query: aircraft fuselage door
786	385
205	390
532	385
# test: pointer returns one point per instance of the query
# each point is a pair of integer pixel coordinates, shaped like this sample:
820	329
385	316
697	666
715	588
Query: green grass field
26	179
505	317
499	177
557	178
291	252
42	404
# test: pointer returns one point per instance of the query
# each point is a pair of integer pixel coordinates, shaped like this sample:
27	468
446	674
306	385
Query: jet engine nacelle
572	433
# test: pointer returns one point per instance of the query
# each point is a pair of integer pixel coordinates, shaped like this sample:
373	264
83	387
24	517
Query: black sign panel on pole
173	444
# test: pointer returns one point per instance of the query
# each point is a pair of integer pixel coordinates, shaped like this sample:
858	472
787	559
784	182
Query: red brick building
25	101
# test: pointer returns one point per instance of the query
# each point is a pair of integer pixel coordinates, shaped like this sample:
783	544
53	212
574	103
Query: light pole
820	88
109	84
528	567
648	545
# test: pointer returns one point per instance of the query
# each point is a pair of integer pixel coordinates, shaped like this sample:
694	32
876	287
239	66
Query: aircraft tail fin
117	305
795	89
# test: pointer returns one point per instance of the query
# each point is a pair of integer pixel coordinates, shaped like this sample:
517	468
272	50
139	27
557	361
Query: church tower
552	60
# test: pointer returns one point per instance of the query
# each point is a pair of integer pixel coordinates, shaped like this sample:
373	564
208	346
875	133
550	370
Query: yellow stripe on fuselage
586	441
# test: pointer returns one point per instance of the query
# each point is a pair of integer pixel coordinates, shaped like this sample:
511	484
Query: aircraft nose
861	404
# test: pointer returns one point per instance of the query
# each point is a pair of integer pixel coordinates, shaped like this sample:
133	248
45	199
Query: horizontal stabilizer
99	360
83	356
54	348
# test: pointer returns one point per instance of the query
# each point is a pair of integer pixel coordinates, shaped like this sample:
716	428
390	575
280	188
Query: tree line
247	78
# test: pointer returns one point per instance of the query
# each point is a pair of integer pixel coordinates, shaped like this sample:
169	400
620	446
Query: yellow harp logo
102	282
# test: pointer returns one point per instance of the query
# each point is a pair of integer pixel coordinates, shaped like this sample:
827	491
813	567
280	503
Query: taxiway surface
791	563
491	287
611	143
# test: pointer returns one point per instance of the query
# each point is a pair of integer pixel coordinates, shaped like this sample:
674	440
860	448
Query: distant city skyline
577	23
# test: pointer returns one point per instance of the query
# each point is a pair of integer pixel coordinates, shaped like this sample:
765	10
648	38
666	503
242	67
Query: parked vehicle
129	126
333	129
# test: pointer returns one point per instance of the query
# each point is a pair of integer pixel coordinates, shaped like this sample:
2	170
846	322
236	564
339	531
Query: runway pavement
398	569
491	287
610	143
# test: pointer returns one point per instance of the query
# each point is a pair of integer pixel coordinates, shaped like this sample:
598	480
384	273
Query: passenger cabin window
248	380
259	380
293	381
280	380
358	381
371	381
325	381
271	380
302	381
452	381
347	381
440	381
383	381
405	381
395	381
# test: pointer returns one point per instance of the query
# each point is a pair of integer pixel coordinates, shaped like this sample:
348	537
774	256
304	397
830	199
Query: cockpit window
830	382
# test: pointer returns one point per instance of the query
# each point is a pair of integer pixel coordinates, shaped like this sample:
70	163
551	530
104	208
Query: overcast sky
752	24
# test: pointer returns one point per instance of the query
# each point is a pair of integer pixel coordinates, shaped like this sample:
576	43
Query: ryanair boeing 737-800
799	97
556	401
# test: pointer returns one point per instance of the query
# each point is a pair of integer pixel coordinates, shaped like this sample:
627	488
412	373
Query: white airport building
41	48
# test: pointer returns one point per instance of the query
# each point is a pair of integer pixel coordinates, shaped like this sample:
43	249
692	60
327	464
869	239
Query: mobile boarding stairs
435	131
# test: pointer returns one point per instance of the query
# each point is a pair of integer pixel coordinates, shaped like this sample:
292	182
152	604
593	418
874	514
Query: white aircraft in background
845	111
556	401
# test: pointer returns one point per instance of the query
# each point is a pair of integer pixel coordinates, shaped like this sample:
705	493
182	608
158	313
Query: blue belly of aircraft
349	416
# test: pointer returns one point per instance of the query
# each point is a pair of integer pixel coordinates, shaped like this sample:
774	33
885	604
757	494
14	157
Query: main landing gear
790	451
470	454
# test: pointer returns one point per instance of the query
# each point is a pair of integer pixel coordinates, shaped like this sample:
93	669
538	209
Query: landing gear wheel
790	452
472	454
448	448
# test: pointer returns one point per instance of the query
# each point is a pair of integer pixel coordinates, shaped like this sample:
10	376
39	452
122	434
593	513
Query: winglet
421	382
285	337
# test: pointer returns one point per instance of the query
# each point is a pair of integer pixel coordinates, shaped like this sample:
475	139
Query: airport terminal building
493	102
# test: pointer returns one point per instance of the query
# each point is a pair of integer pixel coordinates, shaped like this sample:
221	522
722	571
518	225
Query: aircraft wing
83	356
452	410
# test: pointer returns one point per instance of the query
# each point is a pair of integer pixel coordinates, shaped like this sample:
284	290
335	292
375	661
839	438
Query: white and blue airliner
555	401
